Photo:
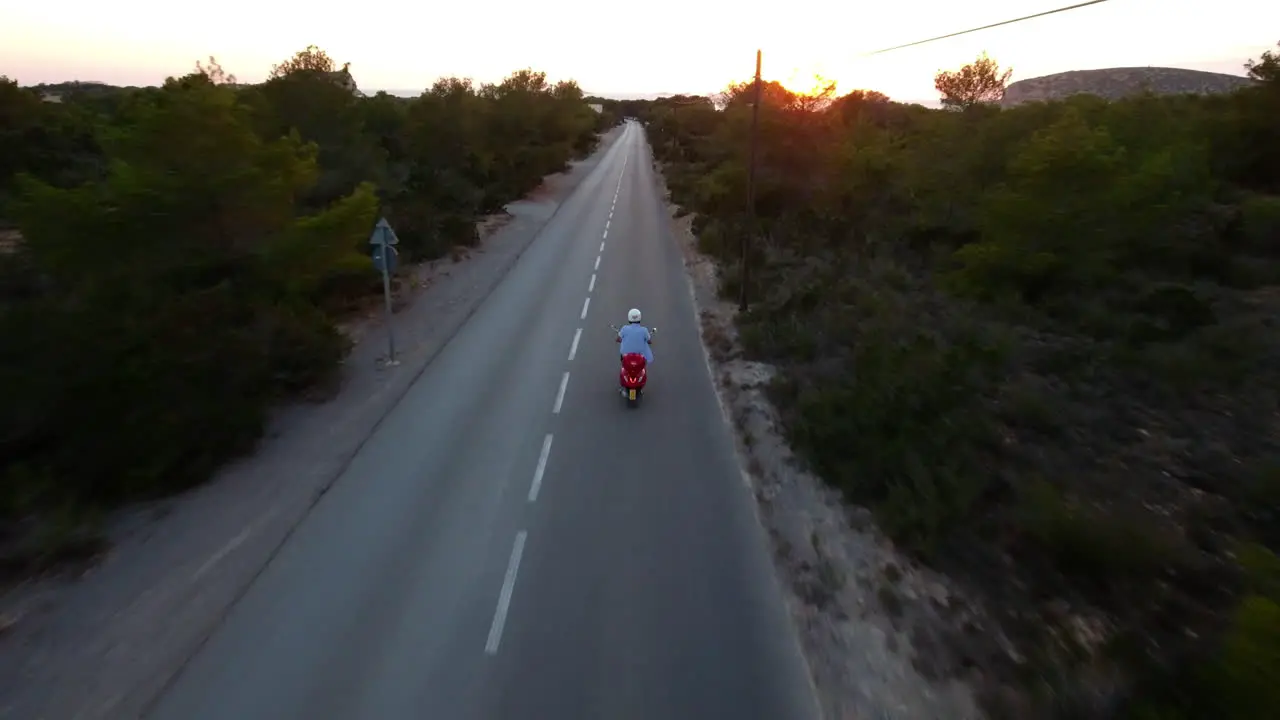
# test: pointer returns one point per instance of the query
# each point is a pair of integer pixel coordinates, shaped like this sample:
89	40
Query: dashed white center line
564	383
513	567
542	468
573	349
504	599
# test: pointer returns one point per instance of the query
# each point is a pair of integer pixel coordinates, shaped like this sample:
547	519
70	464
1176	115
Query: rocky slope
1115	83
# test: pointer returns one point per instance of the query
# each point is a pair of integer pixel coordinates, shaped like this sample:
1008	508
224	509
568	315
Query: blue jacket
635	339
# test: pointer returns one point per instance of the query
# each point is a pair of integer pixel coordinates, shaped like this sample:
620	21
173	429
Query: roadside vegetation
1041	344
173	260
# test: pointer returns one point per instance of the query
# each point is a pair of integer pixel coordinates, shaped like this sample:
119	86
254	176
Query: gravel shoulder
865	614
103	640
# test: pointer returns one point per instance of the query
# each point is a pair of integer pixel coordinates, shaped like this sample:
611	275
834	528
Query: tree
21	114
977	83
869	105
55	141
182	299
773	94
214	73
1265	68
304	94
312	59
819	97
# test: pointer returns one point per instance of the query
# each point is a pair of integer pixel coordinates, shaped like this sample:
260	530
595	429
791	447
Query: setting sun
806	81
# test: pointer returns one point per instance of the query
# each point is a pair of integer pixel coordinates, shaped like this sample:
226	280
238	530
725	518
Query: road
514	542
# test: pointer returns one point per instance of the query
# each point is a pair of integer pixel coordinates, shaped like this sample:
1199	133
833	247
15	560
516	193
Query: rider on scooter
635	338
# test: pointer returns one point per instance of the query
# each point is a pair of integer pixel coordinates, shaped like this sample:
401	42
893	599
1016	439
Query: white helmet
633	315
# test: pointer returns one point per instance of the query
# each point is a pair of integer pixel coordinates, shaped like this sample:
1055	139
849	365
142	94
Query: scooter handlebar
652	331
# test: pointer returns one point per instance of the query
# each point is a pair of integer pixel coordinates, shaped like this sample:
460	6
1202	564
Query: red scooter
634	374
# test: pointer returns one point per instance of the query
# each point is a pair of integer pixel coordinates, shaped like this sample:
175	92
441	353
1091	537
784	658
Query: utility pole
751	191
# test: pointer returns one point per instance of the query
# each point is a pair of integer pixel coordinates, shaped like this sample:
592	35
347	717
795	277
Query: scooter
633	375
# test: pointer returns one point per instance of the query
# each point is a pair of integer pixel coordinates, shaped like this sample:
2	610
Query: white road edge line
598	262
564	383
214	559
585	304
573	349
504	598
542	468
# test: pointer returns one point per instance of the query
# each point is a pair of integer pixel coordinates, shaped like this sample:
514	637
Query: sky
627	49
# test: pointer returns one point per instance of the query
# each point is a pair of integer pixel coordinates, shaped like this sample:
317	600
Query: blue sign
383	234
387	252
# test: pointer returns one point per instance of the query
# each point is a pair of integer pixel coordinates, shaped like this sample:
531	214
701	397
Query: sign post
383	241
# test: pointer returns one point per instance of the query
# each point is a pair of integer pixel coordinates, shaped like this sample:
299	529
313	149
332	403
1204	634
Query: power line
984	27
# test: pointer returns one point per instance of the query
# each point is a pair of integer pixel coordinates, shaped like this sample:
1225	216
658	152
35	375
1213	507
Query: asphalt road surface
514	542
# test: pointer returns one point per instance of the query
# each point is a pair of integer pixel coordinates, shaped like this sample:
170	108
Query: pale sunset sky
616	49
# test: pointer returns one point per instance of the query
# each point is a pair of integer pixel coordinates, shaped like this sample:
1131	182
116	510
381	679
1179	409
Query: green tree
977	83
53	141
310	59
214	72
1266	68
183	288
324	109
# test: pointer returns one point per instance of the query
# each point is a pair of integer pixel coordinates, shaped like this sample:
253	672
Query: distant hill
1115	83
79	86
